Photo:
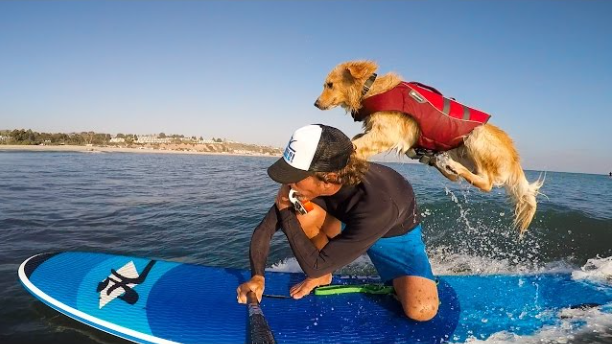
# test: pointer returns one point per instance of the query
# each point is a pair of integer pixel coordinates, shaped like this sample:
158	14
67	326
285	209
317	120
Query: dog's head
344	84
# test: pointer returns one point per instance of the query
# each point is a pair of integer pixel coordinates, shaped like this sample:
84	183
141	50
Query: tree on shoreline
29	137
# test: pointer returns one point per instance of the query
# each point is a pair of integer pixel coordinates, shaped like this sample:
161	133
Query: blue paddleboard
154	301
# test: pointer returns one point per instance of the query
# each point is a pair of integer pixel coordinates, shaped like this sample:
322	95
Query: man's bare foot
304	288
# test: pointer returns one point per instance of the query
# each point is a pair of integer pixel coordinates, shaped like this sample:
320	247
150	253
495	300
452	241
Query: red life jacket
444	122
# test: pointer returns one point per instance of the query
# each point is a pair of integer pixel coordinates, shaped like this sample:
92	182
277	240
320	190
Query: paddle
259	331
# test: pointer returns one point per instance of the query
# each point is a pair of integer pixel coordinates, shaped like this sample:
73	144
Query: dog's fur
487	157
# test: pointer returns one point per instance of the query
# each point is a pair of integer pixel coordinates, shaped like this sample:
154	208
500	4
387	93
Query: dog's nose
317	104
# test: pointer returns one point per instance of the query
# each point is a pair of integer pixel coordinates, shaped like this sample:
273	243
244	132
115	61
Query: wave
576	325
597	269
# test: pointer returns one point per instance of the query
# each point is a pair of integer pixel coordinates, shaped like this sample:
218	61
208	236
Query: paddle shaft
259	330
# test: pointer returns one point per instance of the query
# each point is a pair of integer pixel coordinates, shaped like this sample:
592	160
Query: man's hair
351	174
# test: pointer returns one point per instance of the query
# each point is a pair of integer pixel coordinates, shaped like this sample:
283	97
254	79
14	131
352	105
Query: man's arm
260	241
341	250
258	253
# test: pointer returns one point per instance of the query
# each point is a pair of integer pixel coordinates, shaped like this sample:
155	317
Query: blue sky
250	71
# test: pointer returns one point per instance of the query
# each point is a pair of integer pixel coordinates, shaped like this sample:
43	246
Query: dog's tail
524	195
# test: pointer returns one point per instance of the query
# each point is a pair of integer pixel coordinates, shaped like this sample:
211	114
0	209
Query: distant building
4	138
152	139
117	140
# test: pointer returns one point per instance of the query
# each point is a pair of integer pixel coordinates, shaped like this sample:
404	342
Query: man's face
309	188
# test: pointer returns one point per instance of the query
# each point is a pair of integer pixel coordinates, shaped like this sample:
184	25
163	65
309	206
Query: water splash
595	269
463	212
445	262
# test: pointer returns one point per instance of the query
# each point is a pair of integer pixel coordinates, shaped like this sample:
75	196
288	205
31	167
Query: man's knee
419	297
331	226
421	312
312	222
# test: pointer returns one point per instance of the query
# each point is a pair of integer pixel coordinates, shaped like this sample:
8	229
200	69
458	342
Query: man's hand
282	199
256	284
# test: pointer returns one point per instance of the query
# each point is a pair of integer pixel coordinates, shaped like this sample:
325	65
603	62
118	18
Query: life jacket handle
426	86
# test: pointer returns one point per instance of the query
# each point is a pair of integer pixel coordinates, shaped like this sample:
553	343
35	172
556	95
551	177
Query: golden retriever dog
486	158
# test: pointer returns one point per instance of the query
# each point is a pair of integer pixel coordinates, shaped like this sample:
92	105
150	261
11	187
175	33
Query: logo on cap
289	153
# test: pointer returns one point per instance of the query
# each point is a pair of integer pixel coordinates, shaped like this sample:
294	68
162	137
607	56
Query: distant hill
219	147
28	137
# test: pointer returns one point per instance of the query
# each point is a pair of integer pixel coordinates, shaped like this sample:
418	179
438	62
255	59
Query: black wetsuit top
382	205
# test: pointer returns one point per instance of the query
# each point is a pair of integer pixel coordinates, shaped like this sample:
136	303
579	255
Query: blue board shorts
402	255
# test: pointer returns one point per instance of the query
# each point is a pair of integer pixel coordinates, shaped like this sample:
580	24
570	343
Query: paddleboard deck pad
156	301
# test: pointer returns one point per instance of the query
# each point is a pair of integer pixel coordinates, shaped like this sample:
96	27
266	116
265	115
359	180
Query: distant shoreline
97	149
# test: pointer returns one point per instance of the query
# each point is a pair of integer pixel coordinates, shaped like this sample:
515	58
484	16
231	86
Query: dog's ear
360	69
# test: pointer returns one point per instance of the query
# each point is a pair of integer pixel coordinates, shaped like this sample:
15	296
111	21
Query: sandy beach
97	149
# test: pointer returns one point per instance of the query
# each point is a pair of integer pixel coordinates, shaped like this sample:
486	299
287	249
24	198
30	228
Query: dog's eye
329	85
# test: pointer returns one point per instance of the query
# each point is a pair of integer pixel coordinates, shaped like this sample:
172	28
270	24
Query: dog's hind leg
453	177
433	161
451	169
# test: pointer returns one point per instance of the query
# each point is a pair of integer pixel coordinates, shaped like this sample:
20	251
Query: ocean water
202	209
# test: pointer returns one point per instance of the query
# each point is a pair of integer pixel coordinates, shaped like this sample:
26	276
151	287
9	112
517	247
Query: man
376	204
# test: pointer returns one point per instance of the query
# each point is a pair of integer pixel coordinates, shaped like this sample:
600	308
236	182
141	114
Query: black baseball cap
313	148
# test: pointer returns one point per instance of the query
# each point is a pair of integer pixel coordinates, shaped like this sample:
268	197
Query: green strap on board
376	289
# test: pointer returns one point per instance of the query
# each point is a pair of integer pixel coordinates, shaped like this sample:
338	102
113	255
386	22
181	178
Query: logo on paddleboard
120	284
